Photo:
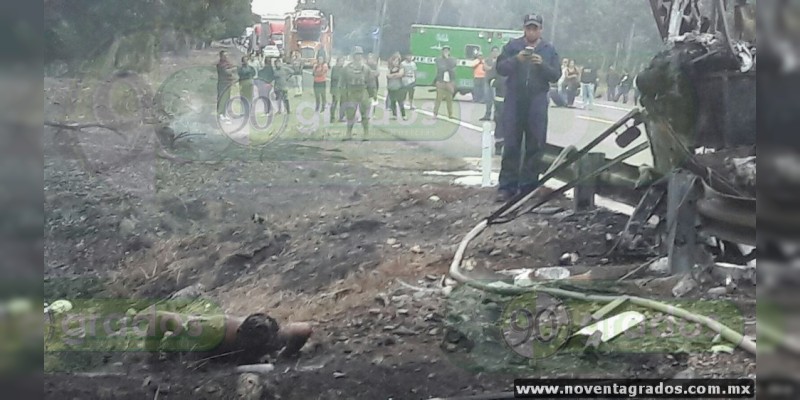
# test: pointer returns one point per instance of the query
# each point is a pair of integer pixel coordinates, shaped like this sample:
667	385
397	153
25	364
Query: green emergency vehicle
427	42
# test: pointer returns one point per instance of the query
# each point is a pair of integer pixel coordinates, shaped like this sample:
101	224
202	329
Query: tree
119	34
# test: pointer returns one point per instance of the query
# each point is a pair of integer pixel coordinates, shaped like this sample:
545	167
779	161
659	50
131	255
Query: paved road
566	127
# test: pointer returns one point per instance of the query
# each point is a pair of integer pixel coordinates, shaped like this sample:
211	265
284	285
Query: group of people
517	83
344	82
401	82
257	72
584	80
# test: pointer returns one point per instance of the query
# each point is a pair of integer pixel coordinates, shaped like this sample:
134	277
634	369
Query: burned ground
336	227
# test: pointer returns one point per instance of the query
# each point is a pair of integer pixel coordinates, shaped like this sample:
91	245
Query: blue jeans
489	100
587	94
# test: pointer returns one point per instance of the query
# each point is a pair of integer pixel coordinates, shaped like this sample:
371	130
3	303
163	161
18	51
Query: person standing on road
625	85
336	93
394	58
588	84
282	76
478	78
394	82
612	81
356	79
320	83
297	74
246	74
531	65
445	82
266	77
226	77
490	65
410	78
562	82
572	82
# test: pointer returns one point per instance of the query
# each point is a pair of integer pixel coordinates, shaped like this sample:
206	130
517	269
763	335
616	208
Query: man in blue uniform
530	65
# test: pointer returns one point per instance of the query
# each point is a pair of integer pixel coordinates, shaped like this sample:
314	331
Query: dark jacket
246	72
226	72
589	74
267	74
528	79
613	79
445	64
491	68
282	75
626	82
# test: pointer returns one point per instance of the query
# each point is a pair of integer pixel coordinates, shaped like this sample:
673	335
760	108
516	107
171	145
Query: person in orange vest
320	83
479	78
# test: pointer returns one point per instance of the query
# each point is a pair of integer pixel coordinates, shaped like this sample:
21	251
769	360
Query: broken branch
79	127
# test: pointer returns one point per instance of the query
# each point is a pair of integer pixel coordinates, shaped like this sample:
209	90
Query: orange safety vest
478	71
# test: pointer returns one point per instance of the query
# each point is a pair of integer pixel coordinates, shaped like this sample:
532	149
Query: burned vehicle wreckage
700	102
699	115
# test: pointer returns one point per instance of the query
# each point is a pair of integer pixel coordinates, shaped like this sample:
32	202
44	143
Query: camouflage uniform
354	85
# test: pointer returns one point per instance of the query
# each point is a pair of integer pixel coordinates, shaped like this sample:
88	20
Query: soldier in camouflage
354	85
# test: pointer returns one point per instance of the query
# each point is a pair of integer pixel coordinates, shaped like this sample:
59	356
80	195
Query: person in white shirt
410	78
562	82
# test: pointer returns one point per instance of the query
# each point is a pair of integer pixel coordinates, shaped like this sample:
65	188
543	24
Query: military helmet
358	50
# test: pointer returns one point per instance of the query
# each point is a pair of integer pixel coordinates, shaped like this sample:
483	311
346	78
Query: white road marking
602	120
607	106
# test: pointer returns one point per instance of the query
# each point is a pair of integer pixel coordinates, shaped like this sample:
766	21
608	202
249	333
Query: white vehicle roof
310	14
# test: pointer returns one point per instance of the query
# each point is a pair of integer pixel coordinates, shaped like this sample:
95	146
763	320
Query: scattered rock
189	292
686	285
416	249
660	266
718	291
434	332
390	327
382	299
568	259
434	198
127	227
375	311
495	252
391	241
256	368
402	311
249	387
552	273
339	375
403	331
470	264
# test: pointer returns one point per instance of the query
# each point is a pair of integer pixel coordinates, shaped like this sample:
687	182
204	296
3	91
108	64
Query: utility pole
630	45
555	23
381	22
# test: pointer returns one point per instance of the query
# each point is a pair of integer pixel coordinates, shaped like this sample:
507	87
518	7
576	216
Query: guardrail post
584	192
682	221
487	146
